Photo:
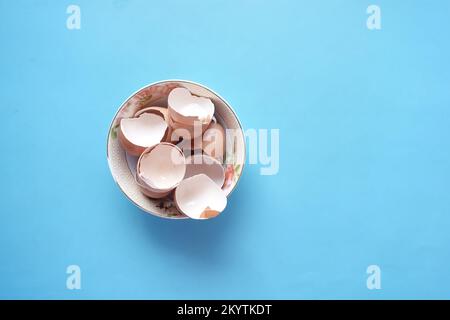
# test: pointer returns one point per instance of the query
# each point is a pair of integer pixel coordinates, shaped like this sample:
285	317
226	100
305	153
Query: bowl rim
158	83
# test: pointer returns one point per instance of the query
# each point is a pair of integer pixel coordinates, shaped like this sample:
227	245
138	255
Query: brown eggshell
162	112
199	197
202	163
155	162
154	127
150	192
213	142
128	146
186	108
186	132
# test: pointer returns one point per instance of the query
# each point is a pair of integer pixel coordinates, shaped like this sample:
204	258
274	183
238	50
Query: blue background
364	119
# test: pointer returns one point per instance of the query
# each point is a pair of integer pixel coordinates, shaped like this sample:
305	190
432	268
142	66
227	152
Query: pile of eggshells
180	150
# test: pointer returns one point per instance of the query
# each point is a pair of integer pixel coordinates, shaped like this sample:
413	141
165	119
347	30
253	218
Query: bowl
123	165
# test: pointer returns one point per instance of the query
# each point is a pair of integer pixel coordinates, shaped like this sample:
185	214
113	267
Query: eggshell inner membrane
199	197
155	110
145	131
198	164
163	167
163	112
188	108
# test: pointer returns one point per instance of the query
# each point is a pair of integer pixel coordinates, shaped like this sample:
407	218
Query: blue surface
364	119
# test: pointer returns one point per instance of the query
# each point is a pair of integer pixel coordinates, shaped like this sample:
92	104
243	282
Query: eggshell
154	109
163	112
187	132
150	192
207	165
185	108
199	197
160	169
137	134
191	147
213	142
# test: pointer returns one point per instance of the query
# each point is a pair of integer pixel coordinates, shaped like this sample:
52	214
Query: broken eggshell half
160	169
137	134
207	165
163	112
186	109
199	197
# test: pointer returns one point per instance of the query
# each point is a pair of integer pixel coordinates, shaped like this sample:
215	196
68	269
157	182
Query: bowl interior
123	166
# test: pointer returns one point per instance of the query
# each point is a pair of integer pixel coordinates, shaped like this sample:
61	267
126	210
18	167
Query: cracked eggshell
155	110
185	108
163	112
199	197
137	134
213	142
160	169
207	165
150	192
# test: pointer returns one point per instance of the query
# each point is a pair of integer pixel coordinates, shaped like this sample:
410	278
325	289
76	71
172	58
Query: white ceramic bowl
123	166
